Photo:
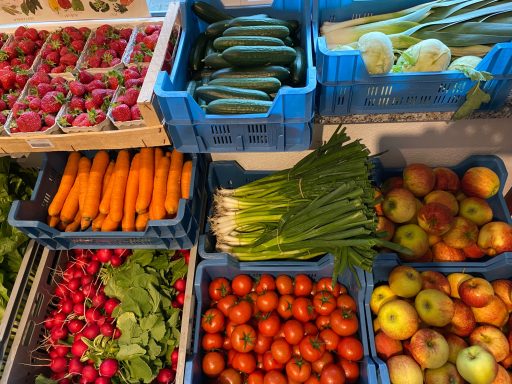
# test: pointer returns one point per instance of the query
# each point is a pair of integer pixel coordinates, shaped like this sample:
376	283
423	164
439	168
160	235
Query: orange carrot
94	187
146	175
186	177
84	167
121	172
107	192
109	225
130	197
66	183
75	224
172	197
70	207
54	221
142	221
98	222
159	153
159	190
106	179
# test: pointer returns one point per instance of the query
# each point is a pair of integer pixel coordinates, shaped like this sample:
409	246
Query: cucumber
298	67
288	41
216	61
237	106
260	30
265	84
209	48
197	52
258	55
222	43
276	71
216	29
208	12
253	21
214	92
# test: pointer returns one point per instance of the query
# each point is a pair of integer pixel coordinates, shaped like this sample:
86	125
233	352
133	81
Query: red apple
455	345
503	377
455	279
429	348
435	280
428	257
446	179
507	361
463	321
445	198
476	209
476	292
419	179
491	339
495	313
399	205
434	239
480	182
462	234
392	183
503	289
435	218
443	252
386	226
473	251
495	238
386	346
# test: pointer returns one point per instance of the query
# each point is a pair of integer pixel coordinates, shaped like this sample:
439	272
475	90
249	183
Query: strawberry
64	51
143	72
7	79
98	76
62	88
77	104
119	46
115	61
40	77
121	112
3	105
93	62
82	120
135	112
35	104
76	88
89	104
130	96
85	77
132	83
11	98
100	116
104	30
31	34
99	96
52	58
58	69
69	59
27	46
114	78
43	89
58	80
19	31
85	31
49	120
21	79
95	84
45	67
29	122
150	41
19	106
52	102
66	120
151	28
3	120
78	45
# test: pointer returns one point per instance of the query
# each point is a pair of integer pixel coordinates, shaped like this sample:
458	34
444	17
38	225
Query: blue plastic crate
285	127
345	87
228	267
179	232
500	268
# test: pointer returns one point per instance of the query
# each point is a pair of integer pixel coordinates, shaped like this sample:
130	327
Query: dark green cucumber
265	84
197	52
276	71
237	106
214	92
208	12
217	29
252	21
288	41
225	42
258	55
260	30
209	48
216	61
298	67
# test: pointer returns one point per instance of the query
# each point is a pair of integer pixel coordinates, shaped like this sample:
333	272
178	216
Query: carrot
94	186
109	225
130	196
70	207
75	224
172	197
106	179
159	190
54	221
159	153
168	154
106	197
146	174
98	222
186	177
84	167
66	183
121	172
142	221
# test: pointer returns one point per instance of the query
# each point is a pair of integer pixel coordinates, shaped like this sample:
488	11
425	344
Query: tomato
323	322
265	283
280	333
243	338
311	348
212	341
225	303
303	310
351	370
343	289
313	379
241	285
324	303
344	322
274	377
226	344
231	355
284	284
293	331
298	369
240	313
269	363
252	297
219	288
244	362
350	348
303	285
318	365
213	321
267	301
332	374
330	338
284	306
256	377
325	284
230	327
310	329
213	364
229	376
262	343
281	351
346	302
269	324
296	350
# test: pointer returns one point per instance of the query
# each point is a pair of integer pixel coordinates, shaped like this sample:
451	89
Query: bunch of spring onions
324	204
467	27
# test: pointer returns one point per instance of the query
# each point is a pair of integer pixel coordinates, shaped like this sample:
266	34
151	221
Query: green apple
404	370
477	210
434	307
398	319
405	281
412	236
476	365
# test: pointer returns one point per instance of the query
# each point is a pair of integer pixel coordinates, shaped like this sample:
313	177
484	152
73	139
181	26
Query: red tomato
303	310
346	302
293	331
256	377
226	303
230	327
298	369
274	377
269	363
323	322
226	345
324	303
229	376
269	324
240	313
219	288
281	351
212	321
262	344
241	285
213	364
311	348
244	362
318	365
212	341
251	298
310	329
296	350
332	374
284	284
350	348
344	322
351	370
330	339
284	306
325	284
303	285
313	379
265	283
231	355
243	338
267	301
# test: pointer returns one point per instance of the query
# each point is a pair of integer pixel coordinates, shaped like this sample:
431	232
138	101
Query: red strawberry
35	104
77	104
119	46
84	31
136	112
66	120
29	122
62	88
131	83
27	46
99	96
49	120
64	51
114	78
94	62
52	102
100	116
125	33
95	84
130	96
121	113
31	34
104	30
3	120
40	77
52	58
43	89
18	107
11	98
76	88
131	73
69	59
3	105
115	61
45	68
150	41
150	28
7	79
89	104
21	79
20	31
85	77
58	80
143	72
58	69
78	45
82	120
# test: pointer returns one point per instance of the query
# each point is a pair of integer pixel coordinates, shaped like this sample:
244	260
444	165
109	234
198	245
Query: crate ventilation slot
258	133
221	134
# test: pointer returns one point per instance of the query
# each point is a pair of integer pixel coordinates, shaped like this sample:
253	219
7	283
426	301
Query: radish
108	367
116	261
59	364
53	354
165	376
175	304
185	253
78	273
104	255
110	305
48	323
117	333
174	356
59	319
181	299
87	279
107	330
66	306
61	291
62	350
75	325
89	373
92	315
89	290
93	267
180	284
99	300
78	309
122	252
78	297
91	331
102	380
74	284
58	333
75	366
78	348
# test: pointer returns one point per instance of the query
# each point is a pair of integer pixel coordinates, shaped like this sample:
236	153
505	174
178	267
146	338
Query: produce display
282	329
431	328
441	217
106	47
117	317
123	191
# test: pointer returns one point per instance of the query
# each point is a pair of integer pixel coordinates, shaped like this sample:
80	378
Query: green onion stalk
324	204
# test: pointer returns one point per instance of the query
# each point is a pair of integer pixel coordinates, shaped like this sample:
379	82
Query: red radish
175	304
59	319
78	348
59	364
64	380
53	354
108	367
99	300
180	284
75	325
62	350
58	333
116	261
75	366
61	291
74	284
107	330
78	273
87	279
48	323
104	255
185	253
122	252
117	333
91	331
92	315
174	356
181	299
79	309
78	297
66	306
165	376
69	273
110	305
89	373
102	380
93	267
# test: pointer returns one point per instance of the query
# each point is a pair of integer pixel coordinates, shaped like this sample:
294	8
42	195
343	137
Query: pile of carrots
121	193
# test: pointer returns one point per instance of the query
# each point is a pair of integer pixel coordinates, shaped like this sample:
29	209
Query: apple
442	252
491	339
428	257
386	346
385	226
463	321
445	198
414	219
404	370
399	205
495	313
473	251
462	234
434	239
376	325
429	348
503	289
476	365
480	182
419	179
434	307
477	210
476	292
398	319
380	295
507	362
391	183
460	196
455	279
447	374
446	179
435	280
502	377
455	345
495	237
377	195
435	218
404	281
413	237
